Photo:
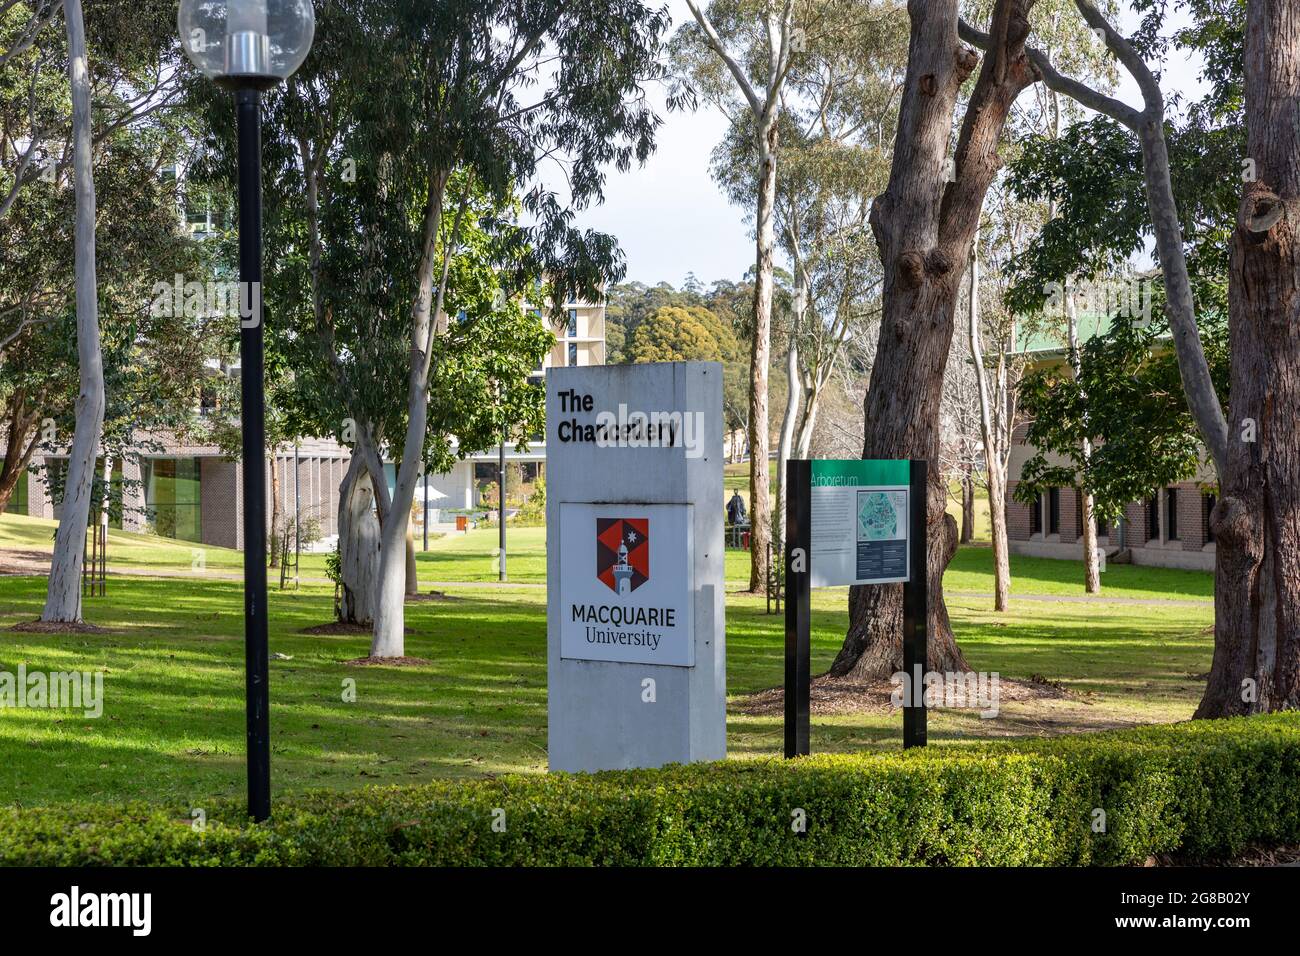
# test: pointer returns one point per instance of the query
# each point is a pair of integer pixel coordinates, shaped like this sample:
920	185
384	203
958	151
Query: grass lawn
173	723
141	552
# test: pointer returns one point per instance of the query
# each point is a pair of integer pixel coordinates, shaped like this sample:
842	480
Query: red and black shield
613	564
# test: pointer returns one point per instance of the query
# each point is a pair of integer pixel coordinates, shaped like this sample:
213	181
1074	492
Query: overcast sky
671	219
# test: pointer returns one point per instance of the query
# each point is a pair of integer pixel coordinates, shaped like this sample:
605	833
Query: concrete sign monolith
636	651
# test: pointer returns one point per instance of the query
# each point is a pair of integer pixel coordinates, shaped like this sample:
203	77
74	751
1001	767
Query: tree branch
716	44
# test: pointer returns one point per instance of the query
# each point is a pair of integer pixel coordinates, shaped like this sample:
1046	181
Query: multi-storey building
195	493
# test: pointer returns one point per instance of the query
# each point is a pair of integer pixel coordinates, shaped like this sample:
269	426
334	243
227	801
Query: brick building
194	493
1170	529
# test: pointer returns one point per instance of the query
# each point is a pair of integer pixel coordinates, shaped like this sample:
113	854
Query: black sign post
798	610
798	599
915	611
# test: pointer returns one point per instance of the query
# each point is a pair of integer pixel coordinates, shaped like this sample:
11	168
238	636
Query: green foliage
533	513
1128	400
153	363
1094	170
675	334
1204	789
631	304
334	566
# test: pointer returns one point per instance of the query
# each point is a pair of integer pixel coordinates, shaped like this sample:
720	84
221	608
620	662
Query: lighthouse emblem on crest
623	553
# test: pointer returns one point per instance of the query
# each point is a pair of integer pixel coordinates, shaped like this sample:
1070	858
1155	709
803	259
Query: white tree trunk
997	483
412	572
426	320
786	441
390	602
359	539
63	594
1091	563
808	423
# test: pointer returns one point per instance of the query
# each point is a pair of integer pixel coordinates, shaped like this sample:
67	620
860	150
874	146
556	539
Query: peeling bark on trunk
359	536
760	503
1256	522
63	594
787	433
924	229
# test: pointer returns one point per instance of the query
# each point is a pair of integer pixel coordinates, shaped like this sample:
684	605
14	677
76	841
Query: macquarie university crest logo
623	553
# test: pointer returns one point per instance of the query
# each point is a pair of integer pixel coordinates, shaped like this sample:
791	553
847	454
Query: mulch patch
831	696
387	662
431	596
59	627
1287	855
13	561
342	627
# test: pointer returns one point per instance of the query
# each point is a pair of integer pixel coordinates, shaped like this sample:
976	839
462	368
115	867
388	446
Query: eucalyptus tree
738	55
56	143
820	118
1252	52
924	223
63	591
1010	222
400	147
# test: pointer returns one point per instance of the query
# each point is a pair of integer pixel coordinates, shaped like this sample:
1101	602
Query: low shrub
1200	788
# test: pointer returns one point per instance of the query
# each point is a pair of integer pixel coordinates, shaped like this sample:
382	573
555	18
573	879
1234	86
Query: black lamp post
249	46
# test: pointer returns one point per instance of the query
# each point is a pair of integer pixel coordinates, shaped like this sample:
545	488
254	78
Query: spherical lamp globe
247	44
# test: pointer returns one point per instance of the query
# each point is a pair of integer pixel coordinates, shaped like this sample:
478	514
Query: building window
1153	517
1036	515
1102	529
171	497
18	500
1054	511
56	470
1171	514
573	354
115	508
1209	502
573	323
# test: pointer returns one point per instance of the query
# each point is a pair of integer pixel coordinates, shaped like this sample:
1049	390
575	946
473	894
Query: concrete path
533	585
273	578
1103	598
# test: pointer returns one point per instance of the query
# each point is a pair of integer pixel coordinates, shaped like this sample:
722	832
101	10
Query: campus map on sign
859	522
880	515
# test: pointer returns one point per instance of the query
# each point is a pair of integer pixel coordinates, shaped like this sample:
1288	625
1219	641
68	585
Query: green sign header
876	473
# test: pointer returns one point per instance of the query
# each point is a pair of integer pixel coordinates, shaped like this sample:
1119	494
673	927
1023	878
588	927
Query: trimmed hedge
1202	788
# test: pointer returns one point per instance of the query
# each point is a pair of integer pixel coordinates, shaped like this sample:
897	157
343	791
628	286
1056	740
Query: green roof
1049	334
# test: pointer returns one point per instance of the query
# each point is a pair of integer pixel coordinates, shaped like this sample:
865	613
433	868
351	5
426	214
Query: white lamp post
249	46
